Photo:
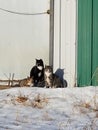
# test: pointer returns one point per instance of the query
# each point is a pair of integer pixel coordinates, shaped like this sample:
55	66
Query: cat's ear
36	60
41	60
28	77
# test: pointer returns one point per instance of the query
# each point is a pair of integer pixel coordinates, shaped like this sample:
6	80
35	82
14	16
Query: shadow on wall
60	72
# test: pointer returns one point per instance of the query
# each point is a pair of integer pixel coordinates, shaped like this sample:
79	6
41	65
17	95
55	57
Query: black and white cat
37	73
51	80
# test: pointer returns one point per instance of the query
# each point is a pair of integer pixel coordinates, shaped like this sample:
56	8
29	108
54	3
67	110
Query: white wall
23	38
65	39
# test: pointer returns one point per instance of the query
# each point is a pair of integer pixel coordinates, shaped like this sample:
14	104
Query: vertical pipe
51	37
60	35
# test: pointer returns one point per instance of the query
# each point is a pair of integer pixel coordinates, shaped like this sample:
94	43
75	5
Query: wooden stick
9	79
12	79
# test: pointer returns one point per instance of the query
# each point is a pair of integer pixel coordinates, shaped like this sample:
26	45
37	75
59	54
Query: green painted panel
95	44
84	42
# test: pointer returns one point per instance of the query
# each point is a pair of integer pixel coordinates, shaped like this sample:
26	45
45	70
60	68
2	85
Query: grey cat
51	80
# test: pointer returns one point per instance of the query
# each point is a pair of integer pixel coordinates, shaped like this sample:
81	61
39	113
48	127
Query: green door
87	42
95	44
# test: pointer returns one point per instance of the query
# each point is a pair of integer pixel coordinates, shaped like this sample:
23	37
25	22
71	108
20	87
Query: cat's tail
64	83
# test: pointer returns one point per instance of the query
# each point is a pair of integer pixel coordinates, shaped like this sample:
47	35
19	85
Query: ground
32	108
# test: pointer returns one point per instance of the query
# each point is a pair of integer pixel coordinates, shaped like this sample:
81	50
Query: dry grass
21	99
96	115
39	101
4	87
94	76
86	105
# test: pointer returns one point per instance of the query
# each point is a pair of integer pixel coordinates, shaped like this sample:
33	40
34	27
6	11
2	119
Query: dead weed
39	101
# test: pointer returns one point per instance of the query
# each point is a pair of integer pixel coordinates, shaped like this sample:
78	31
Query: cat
60	73
26	82
51	80
37	73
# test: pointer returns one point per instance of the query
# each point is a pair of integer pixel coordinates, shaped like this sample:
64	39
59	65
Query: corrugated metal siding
87	42
84	42
95	44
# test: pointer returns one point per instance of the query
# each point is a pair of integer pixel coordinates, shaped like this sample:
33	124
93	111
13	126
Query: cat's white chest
39	74
47	74
48	77
40	67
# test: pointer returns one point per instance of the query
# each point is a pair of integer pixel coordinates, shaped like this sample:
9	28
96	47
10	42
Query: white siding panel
56	34
23	37
65	32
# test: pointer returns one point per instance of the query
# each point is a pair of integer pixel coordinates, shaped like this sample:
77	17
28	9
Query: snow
49	108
